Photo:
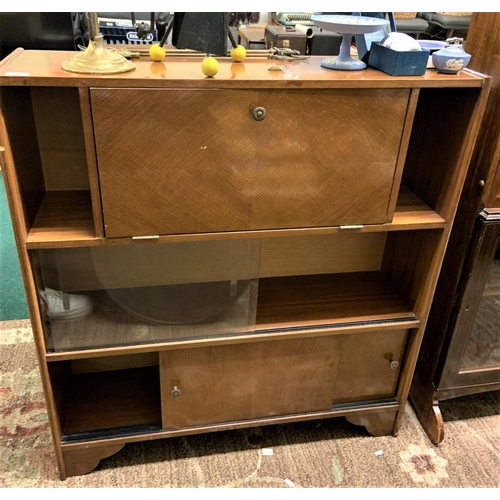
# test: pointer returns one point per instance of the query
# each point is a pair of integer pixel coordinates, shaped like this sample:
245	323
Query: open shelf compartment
329	301
65	219
117	396
53	158
63	216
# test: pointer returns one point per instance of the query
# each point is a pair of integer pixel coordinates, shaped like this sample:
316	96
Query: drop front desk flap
190	161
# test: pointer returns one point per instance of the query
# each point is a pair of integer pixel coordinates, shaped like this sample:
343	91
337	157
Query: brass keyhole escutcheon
175	392
259	113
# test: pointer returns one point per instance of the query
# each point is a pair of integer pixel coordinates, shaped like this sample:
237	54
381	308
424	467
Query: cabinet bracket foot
379	423
429	414
84	460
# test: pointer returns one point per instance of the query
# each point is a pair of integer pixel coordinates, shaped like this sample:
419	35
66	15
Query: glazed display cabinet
474	353
460	355
469	359
204	254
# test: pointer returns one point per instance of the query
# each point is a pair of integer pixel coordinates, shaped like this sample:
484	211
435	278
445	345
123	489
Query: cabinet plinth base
82	461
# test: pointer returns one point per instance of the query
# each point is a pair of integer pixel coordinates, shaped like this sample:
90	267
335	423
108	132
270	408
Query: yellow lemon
210	66
156	52
238	53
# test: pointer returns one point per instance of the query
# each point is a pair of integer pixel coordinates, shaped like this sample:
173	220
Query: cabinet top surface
43	68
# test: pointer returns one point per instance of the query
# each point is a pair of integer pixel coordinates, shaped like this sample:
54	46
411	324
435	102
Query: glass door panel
483	345
116	295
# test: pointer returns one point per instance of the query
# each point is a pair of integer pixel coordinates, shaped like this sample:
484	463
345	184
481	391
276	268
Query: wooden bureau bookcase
229	252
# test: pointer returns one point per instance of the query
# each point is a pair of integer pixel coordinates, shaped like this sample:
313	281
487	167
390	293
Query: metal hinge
2	162
152	237
360	226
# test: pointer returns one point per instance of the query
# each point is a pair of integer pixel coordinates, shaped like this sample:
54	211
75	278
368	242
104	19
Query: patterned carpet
323	454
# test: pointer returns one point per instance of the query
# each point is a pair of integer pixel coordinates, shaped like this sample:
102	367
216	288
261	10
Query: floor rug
330	453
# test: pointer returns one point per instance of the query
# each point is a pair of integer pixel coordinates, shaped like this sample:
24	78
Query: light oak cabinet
208	254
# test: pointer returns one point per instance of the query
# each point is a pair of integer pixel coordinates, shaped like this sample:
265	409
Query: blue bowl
450	62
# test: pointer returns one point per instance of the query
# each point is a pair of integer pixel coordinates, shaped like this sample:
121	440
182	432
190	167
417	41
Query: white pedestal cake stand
347	27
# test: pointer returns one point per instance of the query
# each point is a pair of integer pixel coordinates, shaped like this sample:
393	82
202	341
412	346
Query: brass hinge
2	159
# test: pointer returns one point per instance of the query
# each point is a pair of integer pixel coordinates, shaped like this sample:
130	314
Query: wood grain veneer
252	380
247	381
16	102
60	138
111	363
20	223
90	154
444	187
221	170
403	149
370	412
438	374
313	301
44	68
483	43
82	461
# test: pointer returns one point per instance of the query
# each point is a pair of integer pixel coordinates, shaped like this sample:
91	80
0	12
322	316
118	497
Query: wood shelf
330	300
287	307
107	400
65	220
412	213
64	216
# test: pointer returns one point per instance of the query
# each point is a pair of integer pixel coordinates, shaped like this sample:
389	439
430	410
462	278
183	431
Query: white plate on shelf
350	25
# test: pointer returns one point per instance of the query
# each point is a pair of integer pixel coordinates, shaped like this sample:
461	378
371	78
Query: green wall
12	298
